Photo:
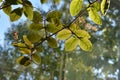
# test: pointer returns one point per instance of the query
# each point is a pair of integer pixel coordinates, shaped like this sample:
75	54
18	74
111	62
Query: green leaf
75	7
27	41
8	9
24	60
13	2
36	26
64	34
39	49
16	14
0	0
57	1
93	14
36	58
85	44
53	14
105	4
82	34
52	28
25	50
28	9
43	1
34	36
37	17
71	44
52	42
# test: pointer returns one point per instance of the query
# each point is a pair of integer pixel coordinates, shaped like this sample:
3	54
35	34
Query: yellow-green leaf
71	44
37	17
0	0
64	34
105	6
82	34
52	42
24	60
75	7
96	6
74	27
27	41
93	14
25	50
85	44
8	9
36	58
19	45
28	9
36	26
16	14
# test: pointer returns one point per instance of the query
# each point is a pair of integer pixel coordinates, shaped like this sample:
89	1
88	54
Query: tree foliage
51	29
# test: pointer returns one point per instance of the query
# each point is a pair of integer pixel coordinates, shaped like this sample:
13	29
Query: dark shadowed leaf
43	1
24	60
52	42
16	14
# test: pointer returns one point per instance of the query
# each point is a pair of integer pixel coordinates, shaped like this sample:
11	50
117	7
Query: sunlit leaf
28	9
71	44
36	26
16	14
37	17
8	9
0	0
22	45
52	42
24	60
96	6
93	14
27	41
75	7
64	34
25	50
85	44
36	58
105	4
82	33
